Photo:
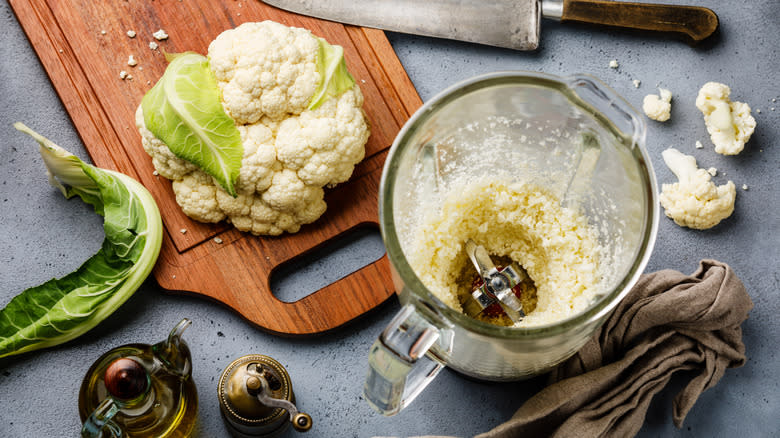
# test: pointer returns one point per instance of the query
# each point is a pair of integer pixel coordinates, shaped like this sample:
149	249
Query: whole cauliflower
695	201
729	123
295	141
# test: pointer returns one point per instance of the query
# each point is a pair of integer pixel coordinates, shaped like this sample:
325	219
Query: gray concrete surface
42	236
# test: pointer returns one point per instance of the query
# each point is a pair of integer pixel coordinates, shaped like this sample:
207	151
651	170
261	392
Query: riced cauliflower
695	201
298	131
658	107
729	123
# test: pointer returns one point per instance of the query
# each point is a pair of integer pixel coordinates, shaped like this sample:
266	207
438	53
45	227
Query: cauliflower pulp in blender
520	222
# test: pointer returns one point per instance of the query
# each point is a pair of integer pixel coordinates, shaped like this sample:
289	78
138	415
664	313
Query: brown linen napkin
667	323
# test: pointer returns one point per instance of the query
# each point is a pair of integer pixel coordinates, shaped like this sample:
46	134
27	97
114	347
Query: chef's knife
505	23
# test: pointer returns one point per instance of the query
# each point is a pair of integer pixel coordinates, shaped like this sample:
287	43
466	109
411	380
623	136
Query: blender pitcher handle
606	101
101	420
400	366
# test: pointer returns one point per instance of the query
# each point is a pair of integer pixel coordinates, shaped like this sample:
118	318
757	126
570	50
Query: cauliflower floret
324	145
265	69
259	163
658	107
694	201
729	123
168	165
250	213
289	194
196	193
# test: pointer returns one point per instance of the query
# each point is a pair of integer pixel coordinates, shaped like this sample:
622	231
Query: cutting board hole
338	258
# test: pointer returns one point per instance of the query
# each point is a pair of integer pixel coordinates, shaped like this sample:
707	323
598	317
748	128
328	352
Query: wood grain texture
83	45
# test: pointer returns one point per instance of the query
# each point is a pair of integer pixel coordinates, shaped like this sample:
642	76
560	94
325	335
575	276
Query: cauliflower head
695	201
267	74
729	124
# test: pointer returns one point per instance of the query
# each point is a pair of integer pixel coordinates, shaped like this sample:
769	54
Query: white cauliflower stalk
729	123
695	201
299	116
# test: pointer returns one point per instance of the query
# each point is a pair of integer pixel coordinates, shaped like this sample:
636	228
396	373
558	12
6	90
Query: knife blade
514	24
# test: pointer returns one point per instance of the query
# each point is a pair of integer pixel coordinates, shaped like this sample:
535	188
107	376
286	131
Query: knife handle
692	23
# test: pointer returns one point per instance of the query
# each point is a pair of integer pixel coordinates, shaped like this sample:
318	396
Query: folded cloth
668	322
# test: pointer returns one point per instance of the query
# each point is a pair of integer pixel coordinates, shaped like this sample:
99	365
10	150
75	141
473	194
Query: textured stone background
42	236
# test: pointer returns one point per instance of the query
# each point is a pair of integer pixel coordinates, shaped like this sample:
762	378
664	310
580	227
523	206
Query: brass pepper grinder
140	390
257	400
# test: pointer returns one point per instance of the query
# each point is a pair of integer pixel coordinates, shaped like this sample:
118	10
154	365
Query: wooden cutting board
84	45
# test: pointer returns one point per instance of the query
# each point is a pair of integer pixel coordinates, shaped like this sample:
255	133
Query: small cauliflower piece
658	107
729	123
695	201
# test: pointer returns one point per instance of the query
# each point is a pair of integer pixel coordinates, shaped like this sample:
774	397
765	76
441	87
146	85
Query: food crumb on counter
131	61
699	145
123	75
744	186
155	173
614	64
636	83
131	33
758	111
102	32
160	35
153	45
183	231
712	171
217	240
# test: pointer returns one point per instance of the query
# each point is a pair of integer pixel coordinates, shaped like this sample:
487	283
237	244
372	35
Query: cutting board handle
332	306
692	23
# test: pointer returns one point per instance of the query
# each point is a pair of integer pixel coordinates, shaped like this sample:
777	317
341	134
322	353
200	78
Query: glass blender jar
574	137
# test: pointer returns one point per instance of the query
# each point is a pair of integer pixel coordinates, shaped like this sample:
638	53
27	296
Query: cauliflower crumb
131	33
694	201
123	75
712	171
744	186
153	45
614	64
102	32
155	173
699	145
636	83
183	231
217	240
131	61
658	108
729	124
160	35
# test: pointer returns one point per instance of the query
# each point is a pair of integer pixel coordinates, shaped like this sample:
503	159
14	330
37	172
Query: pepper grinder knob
302	422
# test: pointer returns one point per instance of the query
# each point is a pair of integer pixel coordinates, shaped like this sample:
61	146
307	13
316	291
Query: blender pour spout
497	283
